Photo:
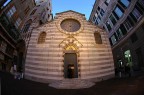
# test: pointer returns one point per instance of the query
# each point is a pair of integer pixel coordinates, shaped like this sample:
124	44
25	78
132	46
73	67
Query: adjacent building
12	16
17	11
124	22
68	47
39	15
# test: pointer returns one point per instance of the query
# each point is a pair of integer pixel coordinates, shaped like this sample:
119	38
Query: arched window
98	39
42	38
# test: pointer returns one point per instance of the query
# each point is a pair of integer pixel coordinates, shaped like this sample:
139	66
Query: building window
103	27
27	25
27	10
141	2
98	39
9	50
98	8
127	24
118	11
112	19
123	29
1	56
47	8
102	12
134	37
94	18
48	16
18	22
124	3
98	20
96	14
108	25
136	13
140	7
42	38
99	17
3	46
107	2
33	11
11	12
114	39
119	33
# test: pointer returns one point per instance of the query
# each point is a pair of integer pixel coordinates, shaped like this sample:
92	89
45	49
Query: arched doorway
71	47
70	65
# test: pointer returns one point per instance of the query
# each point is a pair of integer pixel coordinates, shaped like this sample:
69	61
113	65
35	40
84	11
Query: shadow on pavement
116	86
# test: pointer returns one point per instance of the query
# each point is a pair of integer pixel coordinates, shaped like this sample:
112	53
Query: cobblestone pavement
116	86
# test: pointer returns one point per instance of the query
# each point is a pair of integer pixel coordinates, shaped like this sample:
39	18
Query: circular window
70	25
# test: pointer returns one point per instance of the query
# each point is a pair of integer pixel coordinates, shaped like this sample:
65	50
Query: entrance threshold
73	83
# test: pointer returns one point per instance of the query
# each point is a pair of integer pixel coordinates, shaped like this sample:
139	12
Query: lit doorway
128	58
70	65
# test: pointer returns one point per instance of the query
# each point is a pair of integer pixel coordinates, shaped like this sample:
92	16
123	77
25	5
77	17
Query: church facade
68	47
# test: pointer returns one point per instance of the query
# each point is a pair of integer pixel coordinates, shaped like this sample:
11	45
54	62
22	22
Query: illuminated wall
68	33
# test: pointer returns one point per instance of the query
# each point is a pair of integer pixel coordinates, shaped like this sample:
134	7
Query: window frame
98	38
136	15
115	40
98	20
18	22
41	38
118	10
119	33
113	19
11	12
108	25
107	2
27	9
102	12
124	4
142	2
128	25
33	12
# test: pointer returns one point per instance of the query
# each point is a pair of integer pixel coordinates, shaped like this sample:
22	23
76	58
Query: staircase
72	84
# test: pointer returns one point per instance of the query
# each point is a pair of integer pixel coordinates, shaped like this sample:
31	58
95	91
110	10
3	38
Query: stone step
72	84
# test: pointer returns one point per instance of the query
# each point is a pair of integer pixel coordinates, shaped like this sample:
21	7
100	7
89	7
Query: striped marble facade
45	62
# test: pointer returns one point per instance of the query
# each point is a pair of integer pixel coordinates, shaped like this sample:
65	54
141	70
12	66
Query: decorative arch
70	43
41	38
71	47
